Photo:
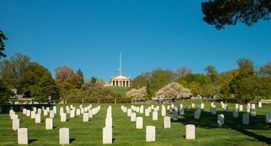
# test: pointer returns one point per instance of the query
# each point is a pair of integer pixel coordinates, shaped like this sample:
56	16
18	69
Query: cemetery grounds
208	132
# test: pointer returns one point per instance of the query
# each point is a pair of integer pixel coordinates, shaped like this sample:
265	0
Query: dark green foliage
148	88
156	79
93	80
2	44
265	70
46	88
212	72
139	81
81	75
229	12
22	74
5	93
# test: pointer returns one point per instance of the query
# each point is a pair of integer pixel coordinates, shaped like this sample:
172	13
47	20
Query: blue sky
89	34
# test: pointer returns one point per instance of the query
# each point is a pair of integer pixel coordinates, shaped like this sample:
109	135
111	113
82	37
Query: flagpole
120	63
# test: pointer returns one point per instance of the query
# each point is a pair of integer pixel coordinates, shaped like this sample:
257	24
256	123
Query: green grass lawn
125	132
121	90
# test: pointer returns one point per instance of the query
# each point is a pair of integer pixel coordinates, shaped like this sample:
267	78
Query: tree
2	44
5	93
139	81
159	78
173	90
81	75
228	12
265	70
20	73
62	73
212	72
93	80
196	83
75	80
137	94
183	71
46	88
94	90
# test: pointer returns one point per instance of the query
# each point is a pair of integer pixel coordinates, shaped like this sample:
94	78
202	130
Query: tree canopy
2	44
229	12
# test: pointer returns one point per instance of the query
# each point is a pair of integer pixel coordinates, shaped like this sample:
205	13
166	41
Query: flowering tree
137	94
173	90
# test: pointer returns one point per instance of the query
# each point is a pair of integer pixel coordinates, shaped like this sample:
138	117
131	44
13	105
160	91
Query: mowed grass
120	90
125	132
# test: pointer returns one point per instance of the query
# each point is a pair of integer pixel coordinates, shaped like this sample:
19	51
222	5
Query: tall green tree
230	12
2	44
79	71
5	93
265	70
139	81
46	88
20	73
212	72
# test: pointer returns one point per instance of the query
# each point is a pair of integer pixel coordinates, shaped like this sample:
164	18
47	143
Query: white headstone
78	112
167	122
24	111
133	117
72	113
107	135
253	106
245	118
260	104
240	108
268	117
52	114
37	118
15	124
33	114
227	108
236	106
197	114
129	112
45	113
175	115
190	131
64	136
63	117
85	117
27	113
49	124
22	136
220	119
139	123
235	113
202	106
253	112
147	112
150	133
108	122
163	112
181	112
187	108
90	114
155	115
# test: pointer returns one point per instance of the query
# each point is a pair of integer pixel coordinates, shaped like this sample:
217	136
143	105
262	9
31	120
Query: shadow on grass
208	121
32	140
71	140
16	108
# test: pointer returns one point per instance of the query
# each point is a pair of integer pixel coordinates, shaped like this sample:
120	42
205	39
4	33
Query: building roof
120	77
